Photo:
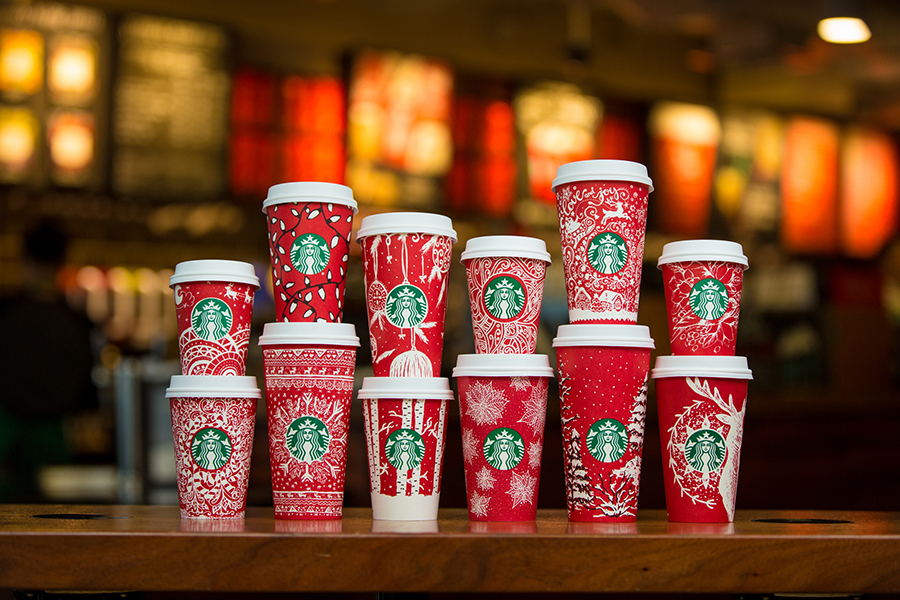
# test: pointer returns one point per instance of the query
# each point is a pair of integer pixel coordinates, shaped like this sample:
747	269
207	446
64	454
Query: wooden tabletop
149	548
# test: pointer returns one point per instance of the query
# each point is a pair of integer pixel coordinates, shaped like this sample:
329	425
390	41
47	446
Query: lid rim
213	386
324	192
697	365
602	170
405	388
703	250
214	269
406	222
281	333
503	365
603	335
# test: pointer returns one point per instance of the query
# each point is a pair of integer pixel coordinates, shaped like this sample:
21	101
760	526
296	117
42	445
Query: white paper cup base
405	508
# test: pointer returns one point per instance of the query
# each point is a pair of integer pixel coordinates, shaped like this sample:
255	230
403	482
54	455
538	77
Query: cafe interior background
135	134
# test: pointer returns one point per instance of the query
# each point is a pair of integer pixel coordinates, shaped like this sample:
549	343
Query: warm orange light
18	130
71	141
868	192
21	61
72	67
844	30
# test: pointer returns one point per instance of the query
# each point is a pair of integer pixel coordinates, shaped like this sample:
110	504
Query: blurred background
135	134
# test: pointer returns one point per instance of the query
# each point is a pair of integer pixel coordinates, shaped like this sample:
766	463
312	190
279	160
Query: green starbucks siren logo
607	440
406	306
503	448
405	449
608	253
504	297
307	439
310	253
211	448
704	450
709	299
211	319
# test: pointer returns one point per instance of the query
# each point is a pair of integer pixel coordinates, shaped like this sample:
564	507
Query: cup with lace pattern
309	226
702	281
406	262
505	276
602	206
309	371
212	428
213	309
603	404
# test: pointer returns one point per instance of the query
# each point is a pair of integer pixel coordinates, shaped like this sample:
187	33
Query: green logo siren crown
307	439
709	299
405	449
504	297
211	319
704	450
211	448
310	254
608	253
607	440
503	448
406	306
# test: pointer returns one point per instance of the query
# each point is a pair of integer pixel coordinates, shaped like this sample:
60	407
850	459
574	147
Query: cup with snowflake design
502	409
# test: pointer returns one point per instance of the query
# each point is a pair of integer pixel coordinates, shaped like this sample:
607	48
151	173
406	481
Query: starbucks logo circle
211	448
307	439
704	450
310	254
504	297
406	306
503	448
608	253
211	319
709	299
607	440
404	449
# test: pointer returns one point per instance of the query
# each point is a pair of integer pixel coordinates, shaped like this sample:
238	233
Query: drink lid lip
723	367
406	222
214	270
406	388
213	386
616	336
697	250
318	334
309	191
602	170
518	246
503	365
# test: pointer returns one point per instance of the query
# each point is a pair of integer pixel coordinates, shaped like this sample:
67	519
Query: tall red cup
212	428
505	275
213	309
701	402
406	260
309	226
703	280
309	388
603	404
602	207
502	407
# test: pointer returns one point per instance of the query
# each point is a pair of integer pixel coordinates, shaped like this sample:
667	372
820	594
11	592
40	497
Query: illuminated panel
72	69
18	139
21	62
71	140
313	117
619	138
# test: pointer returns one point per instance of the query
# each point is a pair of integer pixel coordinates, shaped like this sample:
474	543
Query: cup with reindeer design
702	280
309	225
505	275
701	402
602	206
213	309
406	262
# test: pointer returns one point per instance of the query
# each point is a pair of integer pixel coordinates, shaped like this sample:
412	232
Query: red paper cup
702	281
406	432
602	208
309	226
505	274
213	307
502	406
603	404
212	427
406	259
701	402
309	388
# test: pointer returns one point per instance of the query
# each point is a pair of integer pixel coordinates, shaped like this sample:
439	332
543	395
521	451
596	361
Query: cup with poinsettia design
213	417
603	404
309	226
701	401
505	275
213	309
502	407
702	281
309	371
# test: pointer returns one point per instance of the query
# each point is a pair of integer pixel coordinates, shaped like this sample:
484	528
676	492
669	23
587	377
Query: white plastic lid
502	365
725	367
309	191
406	222
620	336
602	170
214	270
506	245
320	333
212	386
690	250
406	388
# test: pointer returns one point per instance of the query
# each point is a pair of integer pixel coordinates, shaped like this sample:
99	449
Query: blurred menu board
171	99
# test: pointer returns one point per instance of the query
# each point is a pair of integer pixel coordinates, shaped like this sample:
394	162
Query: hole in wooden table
803	521
79	516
